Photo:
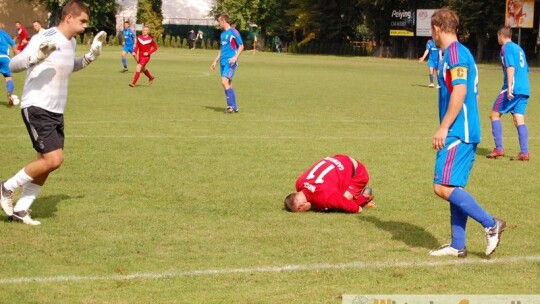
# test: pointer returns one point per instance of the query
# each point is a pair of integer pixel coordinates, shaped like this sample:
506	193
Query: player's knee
440	191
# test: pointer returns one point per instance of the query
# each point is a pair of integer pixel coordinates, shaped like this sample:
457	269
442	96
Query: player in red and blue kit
144	47
457	137
513	97
434	57
337	183
22	37
231	48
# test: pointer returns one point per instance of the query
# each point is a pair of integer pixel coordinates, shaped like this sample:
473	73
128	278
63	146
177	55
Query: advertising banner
423	22
519	13
402	23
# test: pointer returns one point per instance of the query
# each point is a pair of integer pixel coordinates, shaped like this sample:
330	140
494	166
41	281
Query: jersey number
320	177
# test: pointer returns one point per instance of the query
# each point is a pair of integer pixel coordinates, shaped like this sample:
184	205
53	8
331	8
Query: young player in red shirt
144	47
22	37
337	183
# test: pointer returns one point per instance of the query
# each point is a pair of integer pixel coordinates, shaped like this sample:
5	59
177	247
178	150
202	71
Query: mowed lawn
163	198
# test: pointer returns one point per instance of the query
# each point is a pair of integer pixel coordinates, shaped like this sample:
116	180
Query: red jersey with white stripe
145	45
325	183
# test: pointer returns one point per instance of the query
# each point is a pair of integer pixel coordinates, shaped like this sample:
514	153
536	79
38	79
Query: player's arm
37	50
510	71
339	202
459	91
95	50
214	63
426	52
153	48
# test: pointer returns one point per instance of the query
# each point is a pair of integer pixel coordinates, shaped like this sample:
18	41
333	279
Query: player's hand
439	138
45	49
510	94
232	61
213	66
95	48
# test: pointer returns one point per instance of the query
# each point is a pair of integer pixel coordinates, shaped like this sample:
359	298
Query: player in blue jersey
231	48
434	57
127	43
513	97
5	43
457	137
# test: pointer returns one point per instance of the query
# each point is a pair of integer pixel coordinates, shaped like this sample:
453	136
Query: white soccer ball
16	100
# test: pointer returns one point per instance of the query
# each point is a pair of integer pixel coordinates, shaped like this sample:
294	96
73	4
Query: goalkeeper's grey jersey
46	83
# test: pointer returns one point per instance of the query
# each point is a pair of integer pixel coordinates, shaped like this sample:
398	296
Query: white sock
20	179
29	193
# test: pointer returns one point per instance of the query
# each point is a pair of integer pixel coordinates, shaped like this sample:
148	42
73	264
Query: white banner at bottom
440	299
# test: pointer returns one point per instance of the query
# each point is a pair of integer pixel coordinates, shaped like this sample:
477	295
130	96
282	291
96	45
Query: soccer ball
16	100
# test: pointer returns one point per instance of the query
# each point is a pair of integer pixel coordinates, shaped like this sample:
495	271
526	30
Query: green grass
157	181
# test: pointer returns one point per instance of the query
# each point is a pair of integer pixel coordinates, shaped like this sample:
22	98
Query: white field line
271	269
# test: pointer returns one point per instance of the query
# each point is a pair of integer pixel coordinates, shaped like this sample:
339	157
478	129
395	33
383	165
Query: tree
149	13
479	20
102	13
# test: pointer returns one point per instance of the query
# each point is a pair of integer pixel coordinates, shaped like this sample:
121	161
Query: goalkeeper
49	60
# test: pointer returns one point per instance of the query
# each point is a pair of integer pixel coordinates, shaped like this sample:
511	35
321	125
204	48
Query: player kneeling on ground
337	183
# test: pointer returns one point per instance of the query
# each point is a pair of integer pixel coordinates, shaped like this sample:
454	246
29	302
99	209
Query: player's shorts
516	105
228	70
4	66
454	162
21	47
143	60
433	63
127	48
359	180
46	129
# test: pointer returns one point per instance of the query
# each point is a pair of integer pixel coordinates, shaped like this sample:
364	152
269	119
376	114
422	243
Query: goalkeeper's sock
458	220
10	86
20	179
29	193
147	73
124	62
136	77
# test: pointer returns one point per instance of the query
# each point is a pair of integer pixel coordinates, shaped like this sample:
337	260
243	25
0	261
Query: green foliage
158	183
149	13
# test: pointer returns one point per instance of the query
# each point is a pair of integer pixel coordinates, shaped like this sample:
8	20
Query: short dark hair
225	18
505	31
127	21
74	8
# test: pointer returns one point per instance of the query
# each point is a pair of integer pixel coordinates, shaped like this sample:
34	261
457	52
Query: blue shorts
4	66
433	63
453	163
127	48
516	105
228	70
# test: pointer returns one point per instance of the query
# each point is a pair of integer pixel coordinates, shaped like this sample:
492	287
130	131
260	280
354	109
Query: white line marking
269	269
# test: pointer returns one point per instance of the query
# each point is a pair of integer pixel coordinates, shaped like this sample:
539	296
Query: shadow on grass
482	152
46	206
409	234
216	109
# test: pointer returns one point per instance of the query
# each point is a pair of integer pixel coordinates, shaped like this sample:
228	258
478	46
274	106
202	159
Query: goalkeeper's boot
6	200
496	153
521	157
493	235
24	216
446	250
9	99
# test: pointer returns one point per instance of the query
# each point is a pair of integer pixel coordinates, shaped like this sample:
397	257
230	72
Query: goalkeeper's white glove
45	49
95	48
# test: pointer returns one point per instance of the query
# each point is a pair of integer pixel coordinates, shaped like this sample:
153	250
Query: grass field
162	198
